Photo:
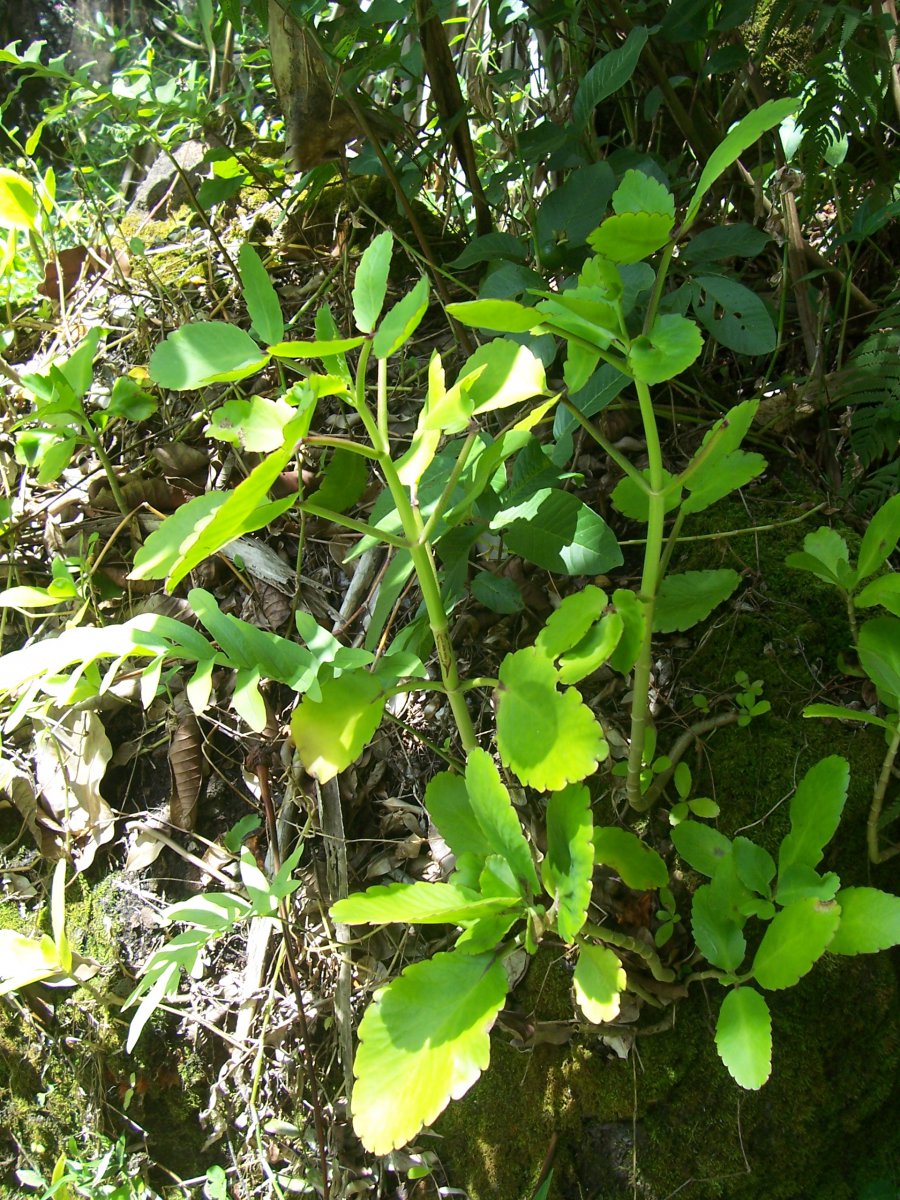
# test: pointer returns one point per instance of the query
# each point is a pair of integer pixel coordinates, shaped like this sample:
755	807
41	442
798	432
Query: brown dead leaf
158	493
179	461
186	764
77	264
71	755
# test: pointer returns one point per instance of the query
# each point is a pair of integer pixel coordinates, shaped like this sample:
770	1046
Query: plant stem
419	549
650	580
875	854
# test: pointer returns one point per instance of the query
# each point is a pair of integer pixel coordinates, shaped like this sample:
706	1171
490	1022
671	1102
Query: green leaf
701	846
18	207
510	374
417	904
498	593
423	1042
503	316
331	733
256	424
129	401
672	345
826	556
634	620
800	882
322	348
736	317
794	939
447	803
401	321
870	921
569	863
594	649
714	480
568	624
184	540
608	75
744	1037
639	192
344	481
205	352
880	539
599	980
491	246
547	737
879	654
884	591
631	237
493	810
558	532
370	285
742	136
718	936
633	501
637	864
755	866
260	297
685	599
839	713
815	813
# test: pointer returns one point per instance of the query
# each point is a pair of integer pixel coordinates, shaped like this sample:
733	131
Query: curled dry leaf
144	848
71	755
186	763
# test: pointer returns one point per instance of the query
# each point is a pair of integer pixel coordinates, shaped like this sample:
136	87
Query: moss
63	1067
837	1051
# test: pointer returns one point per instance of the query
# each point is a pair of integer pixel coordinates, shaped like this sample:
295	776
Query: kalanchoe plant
826	555
806	913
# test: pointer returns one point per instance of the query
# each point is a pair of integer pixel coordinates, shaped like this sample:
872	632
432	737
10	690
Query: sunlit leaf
870	921
370	285
744	1037
332	732
569	862
599	980
672	345
205	352
423	1042
260	297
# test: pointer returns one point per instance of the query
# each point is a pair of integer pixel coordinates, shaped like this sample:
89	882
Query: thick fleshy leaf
448	805
18	207
815	813
838	713
331	733
701	846
744	1037
401	321
634	620
633	501
205	352
639	192
754	865
743	135
548	738
568	624
798	882
879	654
880	539
370	284
496	816
503	316
719	937
417	904
632	236
256	424
672	345
509	373
715	480
599	980
260	297
322	348
569	862
423	1042
637	864
825	555
870	921
560	533
794	940
594	649
684	600
884	591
